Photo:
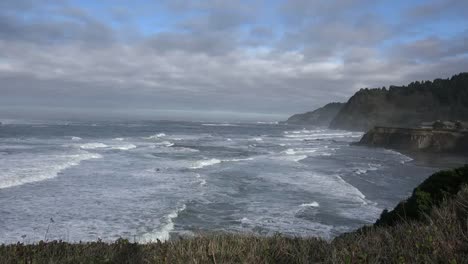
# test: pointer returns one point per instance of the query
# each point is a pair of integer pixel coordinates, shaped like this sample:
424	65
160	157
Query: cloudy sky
184	58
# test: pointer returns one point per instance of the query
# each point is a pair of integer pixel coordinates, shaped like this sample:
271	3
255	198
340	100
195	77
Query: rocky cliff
417	139
319	117
405	106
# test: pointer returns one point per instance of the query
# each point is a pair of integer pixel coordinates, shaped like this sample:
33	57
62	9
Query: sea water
150	180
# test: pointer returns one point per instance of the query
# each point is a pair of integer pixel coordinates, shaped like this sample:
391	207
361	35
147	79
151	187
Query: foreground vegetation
432	229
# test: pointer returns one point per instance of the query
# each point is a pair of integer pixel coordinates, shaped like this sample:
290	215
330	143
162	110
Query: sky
218	59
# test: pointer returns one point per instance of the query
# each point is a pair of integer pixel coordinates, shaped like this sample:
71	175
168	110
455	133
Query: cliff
405	106
319	117
417	139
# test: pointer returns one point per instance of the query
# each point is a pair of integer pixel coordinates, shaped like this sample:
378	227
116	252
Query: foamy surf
164	232
93	146
312	204
209	162
156	136
124	147
39	168
76	138
203	163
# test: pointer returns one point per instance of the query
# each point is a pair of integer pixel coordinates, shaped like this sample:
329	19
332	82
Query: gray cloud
224	57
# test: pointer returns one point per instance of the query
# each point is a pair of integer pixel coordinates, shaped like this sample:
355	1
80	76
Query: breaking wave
93	146
164	233
312	204
29	169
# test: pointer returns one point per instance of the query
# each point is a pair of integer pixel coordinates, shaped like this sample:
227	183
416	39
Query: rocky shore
417	139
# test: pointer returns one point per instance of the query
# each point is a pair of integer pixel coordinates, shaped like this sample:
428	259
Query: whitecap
156	136
118	139
124	147
76	138
203	163
257	139
237	160
165	143
220	125
93	145
312	204
290	151
299	158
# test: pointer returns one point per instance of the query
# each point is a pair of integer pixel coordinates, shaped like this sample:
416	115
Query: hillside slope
319	117
405	106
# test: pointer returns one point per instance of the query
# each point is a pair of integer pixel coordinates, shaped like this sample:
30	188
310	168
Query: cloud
247	56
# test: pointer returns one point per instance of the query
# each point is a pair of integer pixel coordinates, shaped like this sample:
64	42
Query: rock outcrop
319	117
417	139
405	106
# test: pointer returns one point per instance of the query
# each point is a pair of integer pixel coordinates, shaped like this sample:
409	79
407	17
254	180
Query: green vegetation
430	193
406	106
437	232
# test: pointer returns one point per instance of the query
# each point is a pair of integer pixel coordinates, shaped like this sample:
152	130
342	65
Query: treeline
406	106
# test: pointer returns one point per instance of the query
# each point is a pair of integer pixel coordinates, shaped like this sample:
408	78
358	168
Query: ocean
84	181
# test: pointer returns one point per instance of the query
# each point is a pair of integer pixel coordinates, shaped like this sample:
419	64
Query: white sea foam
203	163
236	160
202	182
245	220
76	138
93	146
34	168
156	136
312	204
164	232
257	139
124	147
118	139
290	151
403	158
299	158
370	167
164	143
220	125
209	162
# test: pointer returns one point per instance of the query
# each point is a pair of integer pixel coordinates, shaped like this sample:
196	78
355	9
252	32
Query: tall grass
442	237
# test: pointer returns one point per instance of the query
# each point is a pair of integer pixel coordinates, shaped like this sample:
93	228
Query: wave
76	138
93	146
200	180
257	139
124	147
164	143
164	233
312	204
268	123
221	125
403	158
40	168
118	139
299	158
370	167
156	136
209	162
204	163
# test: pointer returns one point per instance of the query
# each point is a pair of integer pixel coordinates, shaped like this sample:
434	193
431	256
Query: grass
438	235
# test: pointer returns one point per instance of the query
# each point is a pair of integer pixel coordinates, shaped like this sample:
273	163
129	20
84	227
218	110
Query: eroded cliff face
429	140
